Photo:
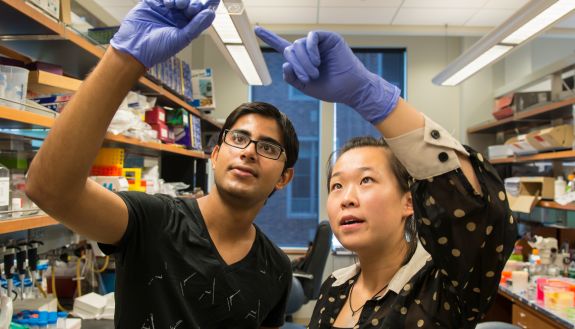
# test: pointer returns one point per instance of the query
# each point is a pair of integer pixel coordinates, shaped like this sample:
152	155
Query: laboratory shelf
555	205
25	223
569	154
26	30
19	119
545	112
45	83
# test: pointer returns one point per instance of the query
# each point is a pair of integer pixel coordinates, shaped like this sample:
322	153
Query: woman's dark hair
289	140
401	175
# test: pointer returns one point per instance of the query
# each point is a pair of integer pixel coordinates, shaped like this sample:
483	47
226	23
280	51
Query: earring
409	231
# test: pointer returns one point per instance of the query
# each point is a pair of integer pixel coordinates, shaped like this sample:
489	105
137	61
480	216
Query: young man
180	264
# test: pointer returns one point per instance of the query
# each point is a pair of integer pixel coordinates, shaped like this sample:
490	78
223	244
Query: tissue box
499	151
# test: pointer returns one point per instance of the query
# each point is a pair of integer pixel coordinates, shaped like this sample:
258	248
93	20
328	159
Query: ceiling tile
489	17
282	15
360	3
444	3
505	4
342	15
433	16
280	3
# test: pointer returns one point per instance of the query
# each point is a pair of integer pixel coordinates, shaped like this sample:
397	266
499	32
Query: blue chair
308	273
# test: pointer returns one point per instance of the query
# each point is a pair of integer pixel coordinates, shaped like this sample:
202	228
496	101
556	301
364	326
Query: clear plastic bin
13	86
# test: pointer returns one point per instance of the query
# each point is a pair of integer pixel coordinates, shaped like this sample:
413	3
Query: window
290	216
388	63
302	195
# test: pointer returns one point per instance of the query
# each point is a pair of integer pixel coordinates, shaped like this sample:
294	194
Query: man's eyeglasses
240	140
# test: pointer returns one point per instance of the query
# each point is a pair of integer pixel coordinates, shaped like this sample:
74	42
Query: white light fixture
527	22
236	40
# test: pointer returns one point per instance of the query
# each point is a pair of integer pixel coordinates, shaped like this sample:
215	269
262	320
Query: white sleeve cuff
427	152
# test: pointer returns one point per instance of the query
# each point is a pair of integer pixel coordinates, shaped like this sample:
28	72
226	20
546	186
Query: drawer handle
521	325
521	314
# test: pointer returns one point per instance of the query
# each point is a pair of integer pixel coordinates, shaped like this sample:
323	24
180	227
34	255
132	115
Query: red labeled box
163	132
157	115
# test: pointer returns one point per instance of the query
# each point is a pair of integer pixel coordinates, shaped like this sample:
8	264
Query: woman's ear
407	203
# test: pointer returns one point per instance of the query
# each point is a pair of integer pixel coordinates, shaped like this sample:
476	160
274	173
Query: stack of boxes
176	126
176	75
156	117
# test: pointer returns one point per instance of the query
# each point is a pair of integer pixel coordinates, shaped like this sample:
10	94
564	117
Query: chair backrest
315	260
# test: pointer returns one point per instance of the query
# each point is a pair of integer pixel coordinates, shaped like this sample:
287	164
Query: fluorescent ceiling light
235	37
531	19
541	21
245	64
226	30
485	59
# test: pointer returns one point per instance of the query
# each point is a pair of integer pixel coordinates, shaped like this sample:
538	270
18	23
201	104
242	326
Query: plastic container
13	85
560	187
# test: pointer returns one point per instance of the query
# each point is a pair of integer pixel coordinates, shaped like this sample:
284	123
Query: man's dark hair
289	140
401	175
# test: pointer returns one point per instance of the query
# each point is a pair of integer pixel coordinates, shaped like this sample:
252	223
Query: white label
186	123
162	116
4	191
164	132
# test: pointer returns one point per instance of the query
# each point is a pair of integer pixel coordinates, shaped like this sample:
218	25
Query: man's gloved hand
323	66
155	30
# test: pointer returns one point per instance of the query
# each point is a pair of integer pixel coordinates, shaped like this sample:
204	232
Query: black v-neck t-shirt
170	275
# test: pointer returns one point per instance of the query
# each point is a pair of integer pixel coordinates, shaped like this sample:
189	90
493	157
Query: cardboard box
520	145
558	137
523	101
531	190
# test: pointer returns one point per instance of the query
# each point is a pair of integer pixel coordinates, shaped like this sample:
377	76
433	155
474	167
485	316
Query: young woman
427	217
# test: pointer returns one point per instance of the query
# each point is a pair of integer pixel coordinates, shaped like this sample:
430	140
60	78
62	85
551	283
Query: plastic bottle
572	270
4	190
560	186
52	320
570	183
61	322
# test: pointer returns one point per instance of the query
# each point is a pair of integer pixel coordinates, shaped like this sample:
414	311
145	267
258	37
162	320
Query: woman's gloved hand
323	66
155	30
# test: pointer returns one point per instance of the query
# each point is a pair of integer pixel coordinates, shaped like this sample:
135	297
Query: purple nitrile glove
155	30
323	66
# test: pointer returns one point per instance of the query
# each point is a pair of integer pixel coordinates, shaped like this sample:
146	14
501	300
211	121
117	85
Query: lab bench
528	314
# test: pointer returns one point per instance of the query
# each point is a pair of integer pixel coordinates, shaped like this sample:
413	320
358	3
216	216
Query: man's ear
285	178
214	155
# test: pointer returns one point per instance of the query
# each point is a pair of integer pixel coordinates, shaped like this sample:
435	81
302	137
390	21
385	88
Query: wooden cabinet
27	34
527	319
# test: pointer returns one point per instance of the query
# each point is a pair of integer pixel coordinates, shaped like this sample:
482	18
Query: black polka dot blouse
467	238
